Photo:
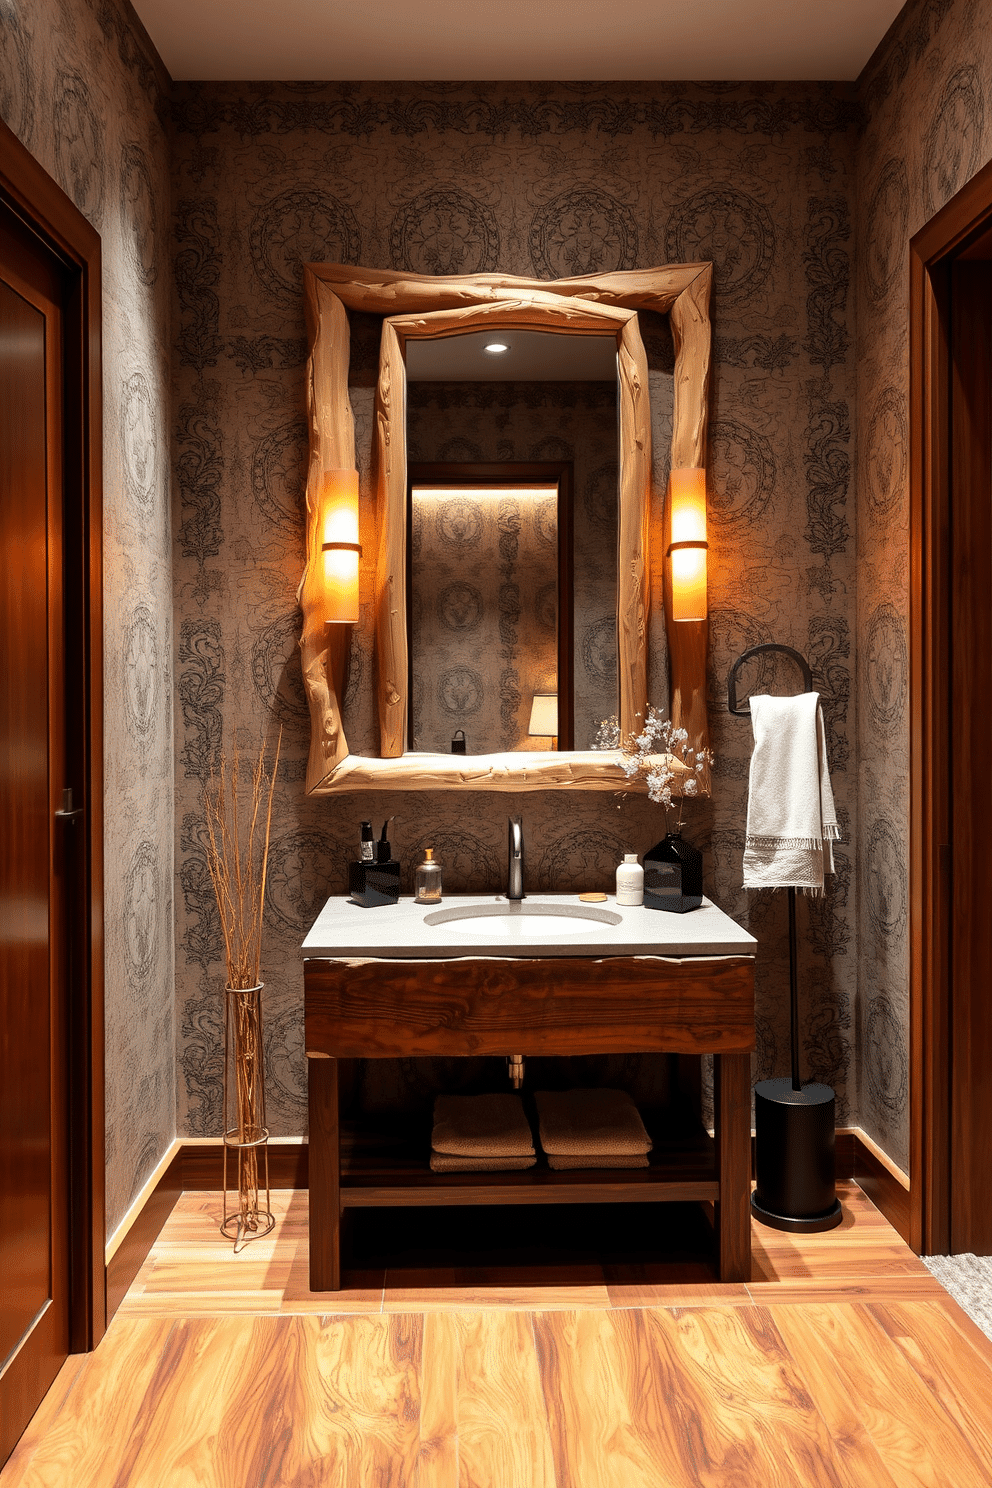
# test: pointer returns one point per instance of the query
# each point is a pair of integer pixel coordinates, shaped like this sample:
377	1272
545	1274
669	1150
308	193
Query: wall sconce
341	548
544	716
687	550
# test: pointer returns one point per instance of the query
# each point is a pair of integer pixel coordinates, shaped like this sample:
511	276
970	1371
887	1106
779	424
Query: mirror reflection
512	540
490	608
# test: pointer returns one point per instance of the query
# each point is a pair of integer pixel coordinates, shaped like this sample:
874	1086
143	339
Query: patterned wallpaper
928	93
574	421
484	615
523	178
83	96
766	180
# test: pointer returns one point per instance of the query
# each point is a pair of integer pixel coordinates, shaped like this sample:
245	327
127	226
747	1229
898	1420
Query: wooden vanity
549	1002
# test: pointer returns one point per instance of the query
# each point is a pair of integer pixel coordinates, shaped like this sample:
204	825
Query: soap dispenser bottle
630	881
373	882
427	882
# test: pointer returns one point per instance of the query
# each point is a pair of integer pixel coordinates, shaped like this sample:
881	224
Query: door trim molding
930	254
33	196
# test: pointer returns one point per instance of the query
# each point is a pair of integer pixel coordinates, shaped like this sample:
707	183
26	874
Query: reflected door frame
521	473
37	212
951	723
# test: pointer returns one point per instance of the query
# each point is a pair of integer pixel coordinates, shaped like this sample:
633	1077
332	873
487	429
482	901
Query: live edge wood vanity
378	986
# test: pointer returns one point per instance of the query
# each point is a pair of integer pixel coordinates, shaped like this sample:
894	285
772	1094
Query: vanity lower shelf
381	1169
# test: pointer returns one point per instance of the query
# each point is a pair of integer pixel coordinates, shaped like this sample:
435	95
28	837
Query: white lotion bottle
630	881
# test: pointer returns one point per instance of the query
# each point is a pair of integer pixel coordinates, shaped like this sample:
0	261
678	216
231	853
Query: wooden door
950	428
970	784
34	1187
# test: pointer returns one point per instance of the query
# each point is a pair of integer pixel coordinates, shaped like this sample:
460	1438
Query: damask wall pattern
573	421
84	96
483	615
529	179
928	98
766	180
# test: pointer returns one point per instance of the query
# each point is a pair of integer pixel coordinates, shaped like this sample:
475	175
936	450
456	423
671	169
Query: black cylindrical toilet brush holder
794	1138
794	1157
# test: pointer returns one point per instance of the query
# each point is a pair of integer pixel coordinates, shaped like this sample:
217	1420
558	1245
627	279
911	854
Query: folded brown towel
600	1160
580	1123
482	1126
447	1162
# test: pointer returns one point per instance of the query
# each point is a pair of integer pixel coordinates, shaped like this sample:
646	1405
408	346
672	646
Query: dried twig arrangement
237	867
238	854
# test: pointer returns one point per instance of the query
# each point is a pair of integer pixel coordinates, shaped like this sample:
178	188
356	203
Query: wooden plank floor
843	1362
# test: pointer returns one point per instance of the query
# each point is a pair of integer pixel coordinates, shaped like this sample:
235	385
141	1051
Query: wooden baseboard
844	1151
134	1239
203	1164
856	1156
198	1166
191	1166
885	1184
844	1148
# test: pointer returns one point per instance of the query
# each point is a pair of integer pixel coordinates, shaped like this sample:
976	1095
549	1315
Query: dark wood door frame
28	192
933	252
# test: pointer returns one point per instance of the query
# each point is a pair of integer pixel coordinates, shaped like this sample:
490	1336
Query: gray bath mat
968	1278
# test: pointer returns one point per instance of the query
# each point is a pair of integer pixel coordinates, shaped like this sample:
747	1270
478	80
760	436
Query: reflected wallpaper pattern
573	421
484	615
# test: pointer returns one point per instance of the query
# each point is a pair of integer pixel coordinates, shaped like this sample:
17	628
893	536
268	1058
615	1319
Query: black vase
673	875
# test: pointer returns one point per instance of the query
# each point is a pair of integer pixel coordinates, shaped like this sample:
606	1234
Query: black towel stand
794	1141
745	712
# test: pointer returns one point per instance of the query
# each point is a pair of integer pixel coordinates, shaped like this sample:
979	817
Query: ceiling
508	40
530	356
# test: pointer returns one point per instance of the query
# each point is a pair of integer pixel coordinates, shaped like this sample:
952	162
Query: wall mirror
418	311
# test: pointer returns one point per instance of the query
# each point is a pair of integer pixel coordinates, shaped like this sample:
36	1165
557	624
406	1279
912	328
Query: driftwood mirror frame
418	305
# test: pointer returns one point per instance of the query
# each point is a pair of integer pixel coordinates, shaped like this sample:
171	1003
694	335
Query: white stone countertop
344	928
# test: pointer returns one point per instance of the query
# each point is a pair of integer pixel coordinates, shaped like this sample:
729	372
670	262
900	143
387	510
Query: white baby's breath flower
652	751
608	736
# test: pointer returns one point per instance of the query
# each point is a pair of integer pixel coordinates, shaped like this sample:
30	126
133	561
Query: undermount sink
521	918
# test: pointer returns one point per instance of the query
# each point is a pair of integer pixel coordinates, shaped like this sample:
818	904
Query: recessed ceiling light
495	347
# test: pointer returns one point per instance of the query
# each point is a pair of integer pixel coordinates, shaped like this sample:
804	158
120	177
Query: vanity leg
325	1175
732	1096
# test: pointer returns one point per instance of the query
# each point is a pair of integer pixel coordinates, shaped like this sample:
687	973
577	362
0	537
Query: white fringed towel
791	821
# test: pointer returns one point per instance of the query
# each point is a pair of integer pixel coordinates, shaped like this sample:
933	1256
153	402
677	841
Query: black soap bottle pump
372	883
384	853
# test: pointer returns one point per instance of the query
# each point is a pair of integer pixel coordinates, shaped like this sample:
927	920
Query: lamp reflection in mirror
544	716
340	545
687	494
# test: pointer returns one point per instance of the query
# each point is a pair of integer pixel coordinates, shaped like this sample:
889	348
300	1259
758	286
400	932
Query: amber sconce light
340	546
687	549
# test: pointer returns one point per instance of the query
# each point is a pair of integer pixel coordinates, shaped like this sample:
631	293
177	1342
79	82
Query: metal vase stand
794	1123
245	1131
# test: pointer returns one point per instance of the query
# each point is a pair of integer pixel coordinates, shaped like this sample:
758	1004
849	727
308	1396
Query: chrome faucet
515	859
